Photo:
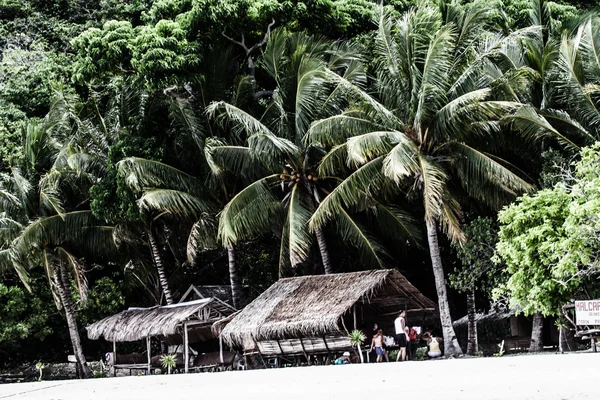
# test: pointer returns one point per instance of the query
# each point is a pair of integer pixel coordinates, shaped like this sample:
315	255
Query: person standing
378	342
400	325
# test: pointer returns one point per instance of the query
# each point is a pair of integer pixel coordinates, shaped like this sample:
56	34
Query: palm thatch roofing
491	318
161	321
314	305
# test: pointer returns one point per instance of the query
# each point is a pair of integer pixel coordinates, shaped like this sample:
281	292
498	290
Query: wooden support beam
114	358
186	347
221	348
304	351
354	315
327	347
149	351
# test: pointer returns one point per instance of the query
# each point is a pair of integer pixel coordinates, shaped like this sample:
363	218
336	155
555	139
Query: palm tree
42	229
432	127
194	193
308	73
562	74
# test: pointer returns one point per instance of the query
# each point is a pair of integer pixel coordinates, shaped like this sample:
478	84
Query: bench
589	334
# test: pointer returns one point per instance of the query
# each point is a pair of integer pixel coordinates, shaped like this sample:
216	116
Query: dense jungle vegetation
146	145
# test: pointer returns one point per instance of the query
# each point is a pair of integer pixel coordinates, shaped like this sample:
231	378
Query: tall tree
433	126
478	272
51	229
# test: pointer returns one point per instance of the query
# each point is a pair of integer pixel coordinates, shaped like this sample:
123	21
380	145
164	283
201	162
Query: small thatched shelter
503	324
180	323
312	314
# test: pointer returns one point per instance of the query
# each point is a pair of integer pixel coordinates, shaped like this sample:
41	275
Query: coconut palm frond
402	160
396	223
241	121
434	82
363	148
565	123
433	179
252	211
336	129
334	163
534	127
355	234
570	91
184	117
353	193
299	238
88	164
77	228
484	178
450	216
203	236
77	272
141	173
176	202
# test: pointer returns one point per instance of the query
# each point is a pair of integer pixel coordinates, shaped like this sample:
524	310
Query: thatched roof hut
313	306
165	322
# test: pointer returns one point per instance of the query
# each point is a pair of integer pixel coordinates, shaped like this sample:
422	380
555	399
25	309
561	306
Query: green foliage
105	298
162	52
477	271
168	361
420	354
530	232
112	198
12	121
357	337
22	316
103	51
26	73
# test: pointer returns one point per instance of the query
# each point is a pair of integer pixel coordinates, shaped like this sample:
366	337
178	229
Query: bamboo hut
308	315
181	323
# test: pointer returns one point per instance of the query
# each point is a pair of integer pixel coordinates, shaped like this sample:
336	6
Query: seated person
434	348
344	359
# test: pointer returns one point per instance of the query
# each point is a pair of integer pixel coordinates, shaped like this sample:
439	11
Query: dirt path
543	377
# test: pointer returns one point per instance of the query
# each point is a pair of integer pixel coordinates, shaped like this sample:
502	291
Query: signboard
587	312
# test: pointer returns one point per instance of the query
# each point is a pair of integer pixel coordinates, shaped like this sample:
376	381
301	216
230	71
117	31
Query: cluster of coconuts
297	176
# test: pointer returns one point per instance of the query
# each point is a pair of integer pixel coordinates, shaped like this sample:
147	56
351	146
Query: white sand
543	377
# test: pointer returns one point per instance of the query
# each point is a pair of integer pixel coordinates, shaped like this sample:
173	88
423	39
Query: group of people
403	337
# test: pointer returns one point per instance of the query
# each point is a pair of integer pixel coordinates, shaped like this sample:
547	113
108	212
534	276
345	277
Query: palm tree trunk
158	263
451	346
64	292
537	342
236	288
472	344
324	251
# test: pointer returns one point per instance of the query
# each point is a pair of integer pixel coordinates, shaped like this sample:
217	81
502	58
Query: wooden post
186	348
114	358
149	351
354	315
221	348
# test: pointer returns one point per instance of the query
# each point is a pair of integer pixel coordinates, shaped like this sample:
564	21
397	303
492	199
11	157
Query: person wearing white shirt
400	325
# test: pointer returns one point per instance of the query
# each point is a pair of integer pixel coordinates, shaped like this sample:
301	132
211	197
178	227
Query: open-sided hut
313	314
181	323
504	325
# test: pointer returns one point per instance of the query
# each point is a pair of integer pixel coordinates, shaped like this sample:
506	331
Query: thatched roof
139	323
484	319
314	305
